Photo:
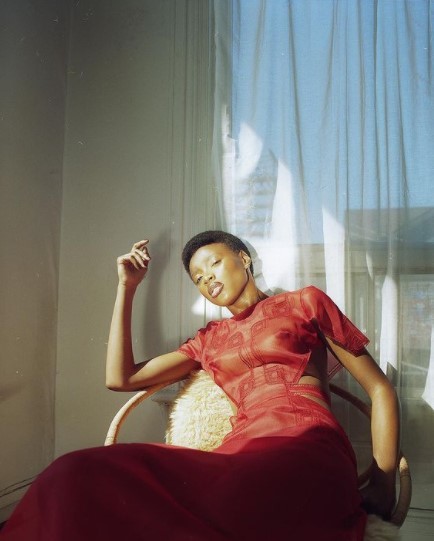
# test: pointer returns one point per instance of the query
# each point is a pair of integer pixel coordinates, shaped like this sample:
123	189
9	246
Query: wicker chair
199	418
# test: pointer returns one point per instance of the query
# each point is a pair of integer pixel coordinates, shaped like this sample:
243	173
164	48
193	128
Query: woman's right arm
122	373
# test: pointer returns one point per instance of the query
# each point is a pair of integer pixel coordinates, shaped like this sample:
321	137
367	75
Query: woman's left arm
379	495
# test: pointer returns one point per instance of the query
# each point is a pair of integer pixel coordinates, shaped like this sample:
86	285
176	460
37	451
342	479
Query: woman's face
220	274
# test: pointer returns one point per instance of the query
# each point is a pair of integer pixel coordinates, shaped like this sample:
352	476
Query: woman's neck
251	295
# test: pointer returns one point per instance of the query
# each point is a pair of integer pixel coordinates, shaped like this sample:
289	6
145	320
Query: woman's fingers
139	245
143	254
134	259
138	257
133	266
139	248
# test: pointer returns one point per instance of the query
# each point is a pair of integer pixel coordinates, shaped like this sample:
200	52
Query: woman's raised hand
132	267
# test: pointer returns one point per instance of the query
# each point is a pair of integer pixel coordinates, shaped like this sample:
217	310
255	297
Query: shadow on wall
10	390
153	325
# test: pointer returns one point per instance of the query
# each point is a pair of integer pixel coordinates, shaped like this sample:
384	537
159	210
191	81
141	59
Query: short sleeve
195	347
327	317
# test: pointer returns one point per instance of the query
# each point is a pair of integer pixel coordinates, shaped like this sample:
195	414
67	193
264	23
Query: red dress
285	471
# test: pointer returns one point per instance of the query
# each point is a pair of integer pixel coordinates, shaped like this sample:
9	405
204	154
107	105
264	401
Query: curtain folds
323	159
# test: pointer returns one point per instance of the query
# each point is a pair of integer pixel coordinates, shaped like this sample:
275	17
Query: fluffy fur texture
379	530
199	416
199	419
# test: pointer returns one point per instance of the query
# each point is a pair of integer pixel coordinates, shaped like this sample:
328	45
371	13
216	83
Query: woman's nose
208	277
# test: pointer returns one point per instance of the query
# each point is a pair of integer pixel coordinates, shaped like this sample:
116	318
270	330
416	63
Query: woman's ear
247	260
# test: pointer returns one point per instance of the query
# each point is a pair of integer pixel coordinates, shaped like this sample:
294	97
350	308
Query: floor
419	526
414	529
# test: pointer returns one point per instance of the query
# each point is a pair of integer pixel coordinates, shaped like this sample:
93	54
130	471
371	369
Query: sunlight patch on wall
389	324
428	394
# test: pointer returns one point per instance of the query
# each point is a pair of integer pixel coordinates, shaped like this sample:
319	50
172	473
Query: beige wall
32	102
125	129
129	158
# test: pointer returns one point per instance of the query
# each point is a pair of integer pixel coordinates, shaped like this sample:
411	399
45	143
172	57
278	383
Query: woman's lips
215	289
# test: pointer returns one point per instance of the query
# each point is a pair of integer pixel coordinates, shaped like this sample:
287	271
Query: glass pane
416	383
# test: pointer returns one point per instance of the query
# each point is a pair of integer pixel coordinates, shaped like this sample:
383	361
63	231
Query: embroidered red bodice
274	338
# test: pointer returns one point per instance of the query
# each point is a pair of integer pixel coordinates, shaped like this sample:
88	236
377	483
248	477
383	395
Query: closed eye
216	262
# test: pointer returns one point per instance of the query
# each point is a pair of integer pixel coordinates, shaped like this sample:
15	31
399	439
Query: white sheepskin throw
379	530
199	419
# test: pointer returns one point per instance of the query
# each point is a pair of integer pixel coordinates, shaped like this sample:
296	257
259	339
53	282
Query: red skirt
298	484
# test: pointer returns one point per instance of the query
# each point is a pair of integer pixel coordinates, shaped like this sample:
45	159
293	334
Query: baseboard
8	502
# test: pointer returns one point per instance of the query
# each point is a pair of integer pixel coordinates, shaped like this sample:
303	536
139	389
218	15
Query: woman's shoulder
312	292
306	292
210	326
310	300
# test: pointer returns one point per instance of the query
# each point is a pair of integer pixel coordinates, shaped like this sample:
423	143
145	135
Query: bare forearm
385	432
120	359
379	494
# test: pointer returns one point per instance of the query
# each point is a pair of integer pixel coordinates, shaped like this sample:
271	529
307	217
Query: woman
285	471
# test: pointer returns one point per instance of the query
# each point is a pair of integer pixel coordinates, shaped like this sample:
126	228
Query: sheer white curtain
324	162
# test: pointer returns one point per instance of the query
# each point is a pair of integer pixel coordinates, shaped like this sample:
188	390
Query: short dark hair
213	237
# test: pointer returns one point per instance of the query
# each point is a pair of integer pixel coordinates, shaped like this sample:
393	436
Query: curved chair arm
404	497
133	402
366	410
405	485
